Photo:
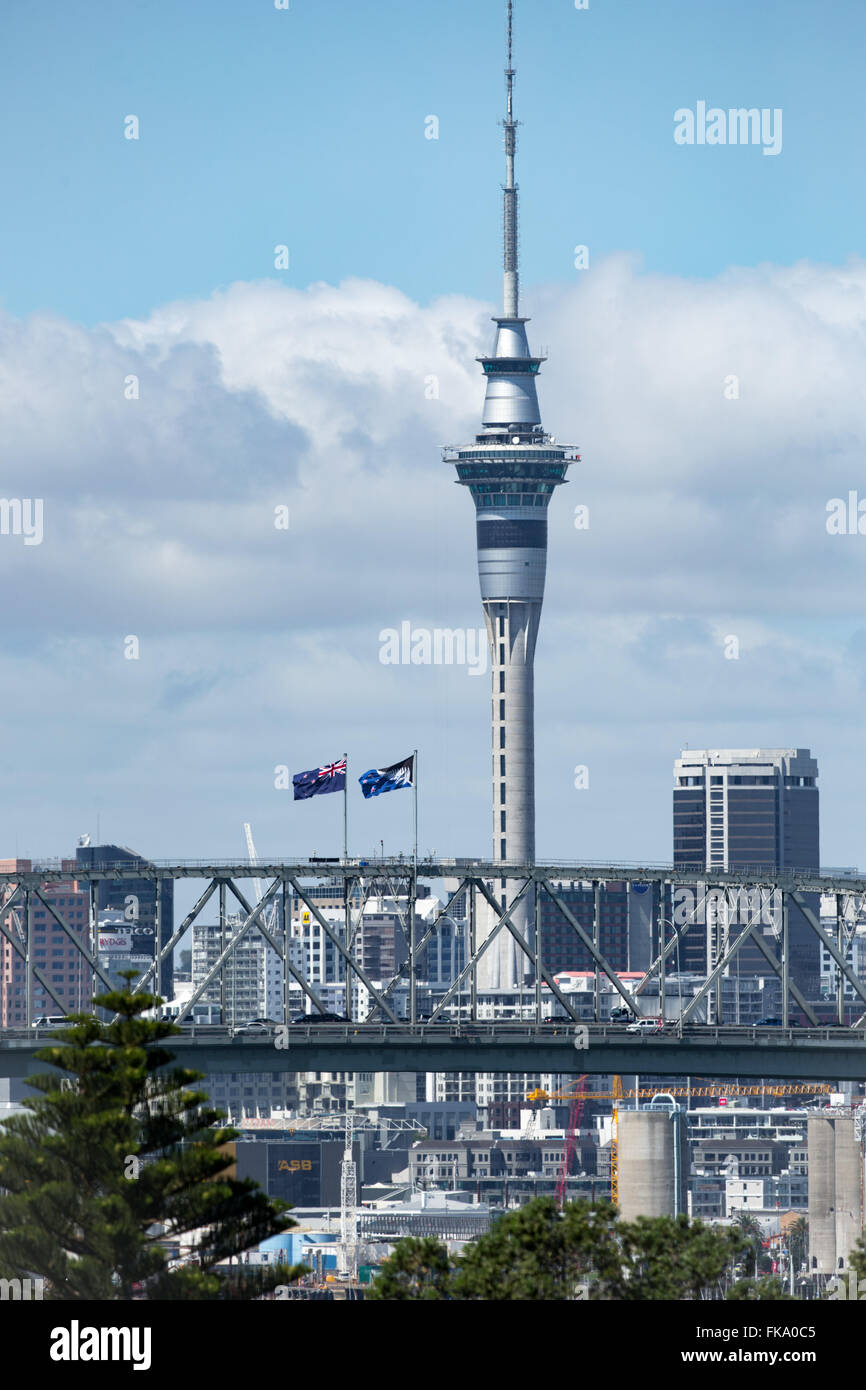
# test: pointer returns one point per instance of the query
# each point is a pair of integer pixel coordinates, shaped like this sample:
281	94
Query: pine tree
118	1150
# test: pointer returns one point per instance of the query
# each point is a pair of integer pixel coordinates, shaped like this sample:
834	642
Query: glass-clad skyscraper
745	809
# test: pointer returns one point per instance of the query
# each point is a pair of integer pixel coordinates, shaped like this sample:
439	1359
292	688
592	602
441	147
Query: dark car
769	1023
320	1018
623	1015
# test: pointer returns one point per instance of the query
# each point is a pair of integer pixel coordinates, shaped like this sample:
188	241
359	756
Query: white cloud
260	646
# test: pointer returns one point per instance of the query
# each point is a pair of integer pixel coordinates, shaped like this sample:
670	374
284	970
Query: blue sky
308	388
306	127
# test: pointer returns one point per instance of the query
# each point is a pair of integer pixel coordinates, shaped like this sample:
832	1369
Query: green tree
753	1237
798	1241
98	1169
753	1290
540	1252
857	1258
418	1270
673	1258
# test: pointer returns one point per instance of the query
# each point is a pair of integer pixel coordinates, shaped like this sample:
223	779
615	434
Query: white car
646	1025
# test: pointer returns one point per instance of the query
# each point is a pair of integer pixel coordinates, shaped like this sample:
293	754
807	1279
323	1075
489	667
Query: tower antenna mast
509	220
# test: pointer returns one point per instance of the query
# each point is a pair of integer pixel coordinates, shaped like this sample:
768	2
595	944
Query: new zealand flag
330	778
388	779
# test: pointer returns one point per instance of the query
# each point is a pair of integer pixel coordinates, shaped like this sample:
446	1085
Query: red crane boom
575	1115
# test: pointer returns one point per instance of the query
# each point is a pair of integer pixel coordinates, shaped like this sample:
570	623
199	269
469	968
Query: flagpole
415	826
346	810
346	907
413	1005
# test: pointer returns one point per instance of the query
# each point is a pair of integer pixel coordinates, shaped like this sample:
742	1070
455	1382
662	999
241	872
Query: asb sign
294	1173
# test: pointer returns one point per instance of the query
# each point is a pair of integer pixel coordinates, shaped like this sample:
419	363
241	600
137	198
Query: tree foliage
118	1149
798	1241
583	1251
676	1259
857	1258
540	1252
753	1235
754	1290
418	1270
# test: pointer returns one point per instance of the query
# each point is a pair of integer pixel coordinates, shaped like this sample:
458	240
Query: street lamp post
666	922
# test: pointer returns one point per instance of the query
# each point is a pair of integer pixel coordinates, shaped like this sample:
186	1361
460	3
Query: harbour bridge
455	1037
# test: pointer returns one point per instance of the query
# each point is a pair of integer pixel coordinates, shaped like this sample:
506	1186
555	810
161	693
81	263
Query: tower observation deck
511	470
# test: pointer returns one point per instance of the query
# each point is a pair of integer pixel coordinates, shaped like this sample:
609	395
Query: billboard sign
119	940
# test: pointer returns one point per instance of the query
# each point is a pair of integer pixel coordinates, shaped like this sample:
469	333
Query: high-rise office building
748	809
626	932
511	470
146	904
54	953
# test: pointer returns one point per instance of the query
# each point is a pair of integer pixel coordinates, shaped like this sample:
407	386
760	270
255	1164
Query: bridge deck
825	1054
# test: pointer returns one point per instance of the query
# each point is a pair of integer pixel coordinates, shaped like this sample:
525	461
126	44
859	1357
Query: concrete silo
652	1162
835	1215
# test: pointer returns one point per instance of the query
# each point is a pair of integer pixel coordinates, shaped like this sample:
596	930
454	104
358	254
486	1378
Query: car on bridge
646	1026
321	1018
257	1025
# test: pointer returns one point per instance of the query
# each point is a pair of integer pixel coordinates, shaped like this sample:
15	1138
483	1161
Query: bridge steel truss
20	891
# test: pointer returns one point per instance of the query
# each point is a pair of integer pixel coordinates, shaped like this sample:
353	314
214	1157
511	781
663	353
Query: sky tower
511	471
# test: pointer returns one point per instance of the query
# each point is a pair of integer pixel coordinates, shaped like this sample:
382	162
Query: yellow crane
614	1141
617	1095
647	1093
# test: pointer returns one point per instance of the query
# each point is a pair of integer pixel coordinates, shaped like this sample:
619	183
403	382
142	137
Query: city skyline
706	601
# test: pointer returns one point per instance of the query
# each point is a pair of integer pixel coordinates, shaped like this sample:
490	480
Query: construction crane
349	1207
575	1115
268	918
646	1093
387	1129
614	1142
617	1095
531	1131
